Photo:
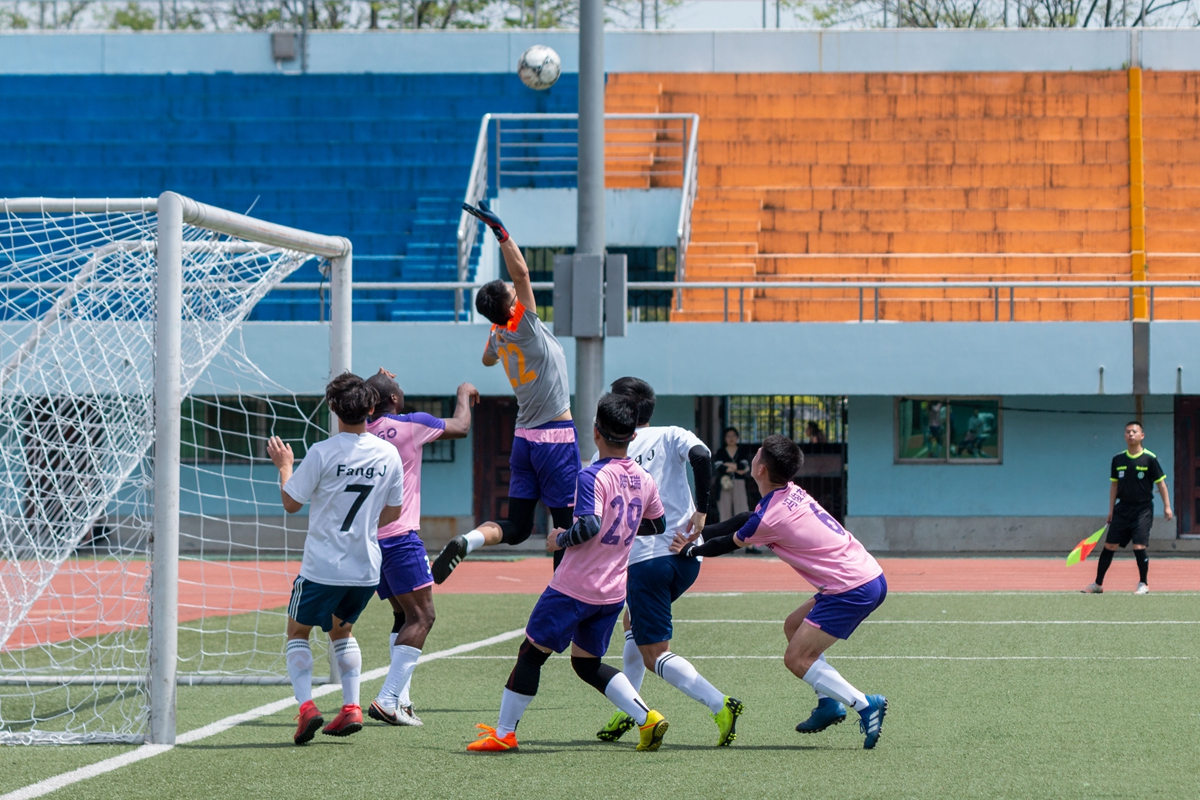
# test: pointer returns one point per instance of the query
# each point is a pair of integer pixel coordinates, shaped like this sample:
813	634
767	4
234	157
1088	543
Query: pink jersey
805	537
620	493
408	433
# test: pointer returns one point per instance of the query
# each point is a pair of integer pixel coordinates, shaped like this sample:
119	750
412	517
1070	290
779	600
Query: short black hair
640	392
782	458
350	398
736	432
386	386
616	418
492	302
1135	422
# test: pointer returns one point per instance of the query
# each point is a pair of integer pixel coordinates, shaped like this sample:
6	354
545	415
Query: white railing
533	148
1005	296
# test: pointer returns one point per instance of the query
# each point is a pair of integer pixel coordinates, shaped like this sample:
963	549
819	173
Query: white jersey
663	452
348	478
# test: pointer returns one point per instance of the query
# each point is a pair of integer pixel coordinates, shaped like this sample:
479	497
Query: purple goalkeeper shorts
405	566
557	620
545	463
839	614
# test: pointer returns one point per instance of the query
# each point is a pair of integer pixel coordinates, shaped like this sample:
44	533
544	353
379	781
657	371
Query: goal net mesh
77	335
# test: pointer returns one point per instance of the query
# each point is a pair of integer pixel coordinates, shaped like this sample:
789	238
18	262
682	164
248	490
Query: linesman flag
1080	553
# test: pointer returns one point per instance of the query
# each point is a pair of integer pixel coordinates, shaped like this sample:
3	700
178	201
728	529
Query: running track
108	600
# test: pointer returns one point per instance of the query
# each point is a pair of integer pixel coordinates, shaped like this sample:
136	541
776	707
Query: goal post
111	311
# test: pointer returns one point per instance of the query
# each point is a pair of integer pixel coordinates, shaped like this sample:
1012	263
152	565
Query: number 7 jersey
348	478
621	494
805	537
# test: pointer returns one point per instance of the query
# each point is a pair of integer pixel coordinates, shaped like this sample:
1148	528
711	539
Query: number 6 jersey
621	494
810	541
348	478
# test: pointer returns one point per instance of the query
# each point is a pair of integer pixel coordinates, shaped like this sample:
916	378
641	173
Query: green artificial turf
1075	716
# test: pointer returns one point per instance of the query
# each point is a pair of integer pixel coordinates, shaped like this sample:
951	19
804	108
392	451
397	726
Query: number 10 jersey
348	479
621	494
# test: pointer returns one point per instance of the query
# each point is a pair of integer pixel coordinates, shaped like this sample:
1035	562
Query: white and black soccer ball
539	67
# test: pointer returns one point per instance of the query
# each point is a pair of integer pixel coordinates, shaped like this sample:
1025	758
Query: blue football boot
829	712
871	719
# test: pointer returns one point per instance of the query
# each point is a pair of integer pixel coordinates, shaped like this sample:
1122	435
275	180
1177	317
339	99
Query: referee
1135	473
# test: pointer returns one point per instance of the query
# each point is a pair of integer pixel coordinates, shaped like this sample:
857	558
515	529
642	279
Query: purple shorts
545	463
558	620
839	614
405	566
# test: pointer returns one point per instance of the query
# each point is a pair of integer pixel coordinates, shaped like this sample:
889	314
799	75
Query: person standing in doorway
1135	474
730	469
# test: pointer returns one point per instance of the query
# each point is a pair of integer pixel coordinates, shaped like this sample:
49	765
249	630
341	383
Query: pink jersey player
408	433
620	493
804	536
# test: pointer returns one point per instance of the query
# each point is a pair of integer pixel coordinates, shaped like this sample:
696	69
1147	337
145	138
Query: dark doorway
1187	466
495	421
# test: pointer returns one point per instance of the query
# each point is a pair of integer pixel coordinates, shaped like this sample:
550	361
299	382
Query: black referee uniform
1133	513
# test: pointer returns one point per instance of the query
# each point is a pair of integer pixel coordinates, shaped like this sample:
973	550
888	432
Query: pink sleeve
425	427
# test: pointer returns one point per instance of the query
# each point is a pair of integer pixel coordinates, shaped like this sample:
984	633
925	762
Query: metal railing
533	149
1004	297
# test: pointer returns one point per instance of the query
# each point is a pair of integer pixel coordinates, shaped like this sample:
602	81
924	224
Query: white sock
633	667
820	696
512	708
392	640
349	661
404	661
404	699
828	681
626	698
678	671
474	540
300	669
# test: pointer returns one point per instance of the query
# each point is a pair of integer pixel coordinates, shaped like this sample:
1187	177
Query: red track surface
103	599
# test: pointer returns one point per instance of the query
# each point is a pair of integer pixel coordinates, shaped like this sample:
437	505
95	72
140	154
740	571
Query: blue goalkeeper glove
488	218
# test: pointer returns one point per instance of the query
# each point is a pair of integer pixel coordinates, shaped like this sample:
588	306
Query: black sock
1143	562
594	671
398	620
1106	557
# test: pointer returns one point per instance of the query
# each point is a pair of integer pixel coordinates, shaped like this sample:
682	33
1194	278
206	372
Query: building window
801	418
948	430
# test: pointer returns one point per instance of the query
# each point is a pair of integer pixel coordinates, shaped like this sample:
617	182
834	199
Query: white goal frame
174	211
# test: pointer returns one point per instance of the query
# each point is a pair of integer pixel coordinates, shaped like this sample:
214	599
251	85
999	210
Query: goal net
81	355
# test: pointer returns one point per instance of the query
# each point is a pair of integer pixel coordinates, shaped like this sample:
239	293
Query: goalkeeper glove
489	218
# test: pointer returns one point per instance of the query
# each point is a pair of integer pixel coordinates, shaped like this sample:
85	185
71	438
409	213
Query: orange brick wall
824	176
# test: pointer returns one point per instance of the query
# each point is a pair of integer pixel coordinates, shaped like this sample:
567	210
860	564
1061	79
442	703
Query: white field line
962	622
150	750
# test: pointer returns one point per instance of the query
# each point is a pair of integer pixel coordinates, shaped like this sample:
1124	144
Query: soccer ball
539	67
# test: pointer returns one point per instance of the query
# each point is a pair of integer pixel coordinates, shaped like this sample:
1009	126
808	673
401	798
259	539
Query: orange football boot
488	742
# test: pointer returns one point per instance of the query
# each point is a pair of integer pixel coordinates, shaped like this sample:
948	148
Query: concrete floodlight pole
589	351
164	552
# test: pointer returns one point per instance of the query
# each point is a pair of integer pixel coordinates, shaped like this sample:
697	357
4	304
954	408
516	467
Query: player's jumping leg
413	612
511	531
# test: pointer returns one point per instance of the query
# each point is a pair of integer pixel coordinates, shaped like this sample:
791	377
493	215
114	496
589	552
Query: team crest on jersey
1120	473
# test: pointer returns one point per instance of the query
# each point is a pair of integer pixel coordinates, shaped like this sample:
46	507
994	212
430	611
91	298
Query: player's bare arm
284	460
1112	499
389	515
518	270
459	425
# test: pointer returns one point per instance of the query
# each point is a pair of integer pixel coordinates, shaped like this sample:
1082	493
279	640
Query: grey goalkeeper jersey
536	367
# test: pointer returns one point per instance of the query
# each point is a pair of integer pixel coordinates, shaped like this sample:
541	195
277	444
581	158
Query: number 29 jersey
621	494
348	479
805	537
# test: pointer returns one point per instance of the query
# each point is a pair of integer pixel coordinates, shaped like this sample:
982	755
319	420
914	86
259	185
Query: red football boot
307	722
348	721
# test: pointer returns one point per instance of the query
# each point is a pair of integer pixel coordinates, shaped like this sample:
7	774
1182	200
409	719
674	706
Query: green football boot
726	720
616	727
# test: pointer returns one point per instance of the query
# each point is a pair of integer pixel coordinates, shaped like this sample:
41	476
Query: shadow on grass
545	747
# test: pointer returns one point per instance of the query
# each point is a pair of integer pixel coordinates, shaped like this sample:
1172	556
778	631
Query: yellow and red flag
1082	549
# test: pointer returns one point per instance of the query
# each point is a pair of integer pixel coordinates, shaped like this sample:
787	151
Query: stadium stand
383	159
797	166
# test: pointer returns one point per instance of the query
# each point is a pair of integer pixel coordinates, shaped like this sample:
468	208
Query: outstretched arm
459	425
518	270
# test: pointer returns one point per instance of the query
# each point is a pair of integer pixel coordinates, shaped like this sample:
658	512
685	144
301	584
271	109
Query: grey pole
589	351
164	580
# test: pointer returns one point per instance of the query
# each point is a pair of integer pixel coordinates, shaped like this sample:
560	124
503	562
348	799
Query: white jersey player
354	482
658	577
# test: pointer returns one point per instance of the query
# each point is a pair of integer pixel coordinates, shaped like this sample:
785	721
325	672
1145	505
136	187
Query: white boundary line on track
220	726
964	622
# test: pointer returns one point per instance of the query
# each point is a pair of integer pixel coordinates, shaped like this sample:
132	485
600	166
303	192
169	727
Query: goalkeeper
355	483
545	454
